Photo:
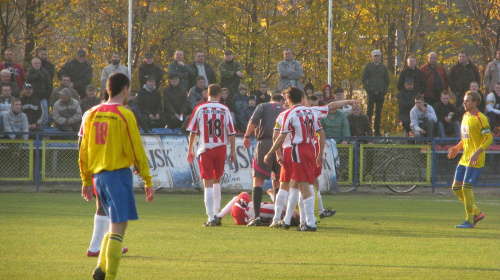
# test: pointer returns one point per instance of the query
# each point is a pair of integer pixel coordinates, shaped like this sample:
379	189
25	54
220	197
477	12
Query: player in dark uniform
264	119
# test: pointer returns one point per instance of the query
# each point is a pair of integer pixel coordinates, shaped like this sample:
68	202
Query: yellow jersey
111	141
475	133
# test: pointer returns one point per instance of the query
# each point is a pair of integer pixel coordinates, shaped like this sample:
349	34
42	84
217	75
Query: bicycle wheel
346	188
401	170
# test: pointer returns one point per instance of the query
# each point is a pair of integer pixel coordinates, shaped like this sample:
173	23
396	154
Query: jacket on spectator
375	79
147	70
88	103
55	94
434	85
41	82
442	111
63	111
491	75
290	73
493	103
17	72
406	101
111	69
337	126
32	108
5	104
14	89
15	123
418	117
79	73
360	125
175	101
461	76
419	84
185	73
149	101
195	97
209	71
258	94
228	77
49	67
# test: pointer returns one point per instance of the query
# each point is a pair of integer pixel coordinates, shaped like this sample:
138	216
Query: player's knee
456	185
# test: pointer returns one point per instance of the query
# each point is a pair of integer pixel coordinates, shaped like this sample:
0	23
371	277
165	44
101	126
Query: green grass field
46	235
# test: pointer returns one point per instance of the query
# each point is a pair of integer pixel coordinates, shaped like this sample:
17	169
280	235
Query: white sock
302	212
227	209
101	226
320	203
280	204
309	209
293	197
209	203
217	197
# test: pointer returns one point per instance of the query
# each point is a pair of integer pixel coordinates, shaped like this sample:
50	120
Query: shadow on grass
378	230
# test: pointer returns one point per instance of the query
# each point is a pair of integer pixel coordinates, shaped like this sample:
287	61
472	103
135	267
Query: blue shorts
467	174
116	195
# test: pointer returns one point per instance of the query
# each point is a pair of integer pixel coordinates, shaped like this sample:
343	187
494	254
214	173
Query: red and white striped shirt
302	123
321	111
279	125
213	123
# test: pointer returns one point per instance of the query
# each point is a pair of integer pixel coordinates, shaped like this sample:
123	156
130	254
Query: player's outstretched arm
340	104
150	193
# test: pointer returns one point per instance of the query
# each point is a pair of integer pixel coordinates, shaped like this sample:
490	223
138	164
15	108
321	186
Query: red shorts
286	168
319	169
304	163
212	162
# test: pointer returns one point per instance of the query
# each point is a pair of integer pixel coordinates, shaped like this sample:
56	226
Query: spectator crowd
424	93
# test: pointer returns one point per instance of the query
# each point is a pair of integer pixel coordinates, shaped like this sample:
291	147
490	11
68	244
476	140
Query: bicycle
400	170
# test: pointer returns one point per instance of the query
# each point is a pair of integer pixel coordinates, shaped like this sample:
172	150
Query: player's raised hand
87	193
190	157
150	193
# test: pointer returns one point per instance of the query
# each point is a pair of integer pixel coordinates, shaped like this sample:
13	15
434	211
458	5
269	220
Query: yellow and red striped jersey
111	141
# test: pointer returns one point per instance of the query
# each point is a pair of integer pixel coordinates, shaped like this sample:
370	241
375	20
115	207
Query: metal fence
395	162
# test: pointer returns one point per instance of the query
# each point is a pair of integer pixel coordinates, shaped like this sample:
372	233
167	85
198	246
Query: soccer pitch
46	236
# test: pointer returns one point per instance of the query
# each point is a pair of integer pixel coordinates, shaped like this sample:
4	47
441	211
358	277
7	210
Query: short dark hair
445	92
419	98
474	83
464	52
214	90
295	94
312	97
115	52
476	97
42	49
277	98
200	78
116	83
64	76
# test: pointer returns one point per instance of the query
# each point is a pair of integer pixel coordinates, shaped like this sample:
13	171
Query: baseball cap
81	53
228	52
376	52
27	85
65	92
409	80
149	55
